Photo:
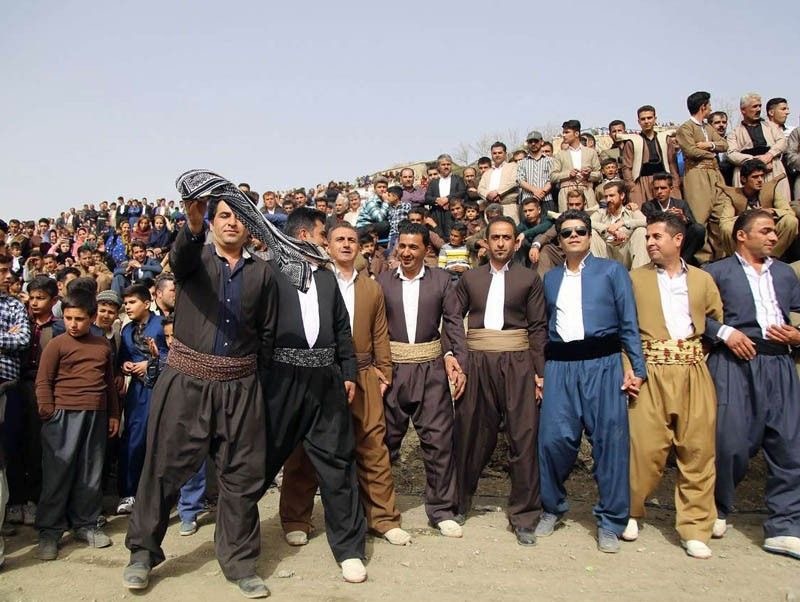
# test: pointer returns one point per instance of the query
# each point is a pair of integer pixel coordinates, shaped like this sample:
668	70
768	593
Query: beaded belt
673	352
497	341
306	358
415	353
209	367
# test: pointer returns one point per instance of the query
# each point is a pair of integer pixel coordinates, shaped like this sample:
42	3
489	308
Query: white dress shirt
674	294
575	155
411	302
493	318
768	312
495	177
347	286
569	306
309	310
444	186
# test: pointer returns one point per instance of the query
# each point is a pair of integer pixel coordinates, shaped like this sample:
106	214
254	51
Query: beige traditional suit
739	140
731	202
635	154
676	408
562	165
633	252
702	171
508	189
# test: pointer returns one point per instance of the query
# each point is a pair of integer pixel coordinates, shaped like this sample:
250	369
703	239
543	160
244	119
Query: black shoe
47	549
136	576
253	587
460	519
525	536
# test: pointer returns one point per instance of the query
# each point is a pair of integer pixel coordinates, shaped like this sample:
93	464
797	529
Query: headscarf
293	257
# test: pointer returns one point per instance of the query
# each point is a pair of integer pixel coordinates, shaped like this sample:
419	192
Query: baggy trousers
421	393
758	407
73	448
375	480
23	444
500	388
585	395
133	443
190	419
308	406
676	407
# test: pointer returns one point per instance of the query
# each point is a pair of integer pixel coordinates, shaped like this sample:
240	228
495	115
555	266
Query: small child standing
472	218
454	255
78	403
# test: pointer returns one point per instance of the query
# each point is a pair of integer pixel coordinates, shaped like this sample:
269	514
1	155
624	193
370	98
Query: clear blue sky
107	98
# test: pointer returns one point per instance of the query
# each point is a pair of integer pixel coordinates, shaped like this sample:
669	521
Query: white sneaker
125	505
397	537
631	532
14	514
296	538
29	513
719	528
783	544
450	528
354	571
696	549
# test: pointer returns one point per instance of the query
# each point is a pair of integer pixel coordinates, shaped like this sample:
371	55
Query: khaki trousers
676	408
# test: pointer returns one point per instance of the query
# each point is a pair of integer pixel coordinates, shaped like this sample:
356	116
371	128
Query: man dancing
209	400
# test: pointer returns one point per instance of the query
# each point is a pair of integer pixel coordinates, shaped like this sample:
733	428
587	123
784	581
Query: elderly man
443	188
756	138
647	154
499	183
619	231
575	167
754	193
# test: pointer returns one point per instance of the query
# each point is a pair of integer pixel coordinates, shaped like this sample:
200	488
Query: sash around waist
305	358
497	341
205	366
415	353
585	349
673	352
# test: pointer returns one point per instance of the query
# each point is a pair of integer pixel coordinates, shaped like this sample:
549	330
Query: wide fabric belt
364	360
306	358
209	367
671	352
497	341
415	353
585	349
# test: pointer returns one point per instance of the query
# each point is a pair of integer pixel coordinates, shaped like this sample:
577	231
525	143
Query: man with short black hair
576	167
499	184
620	229
615	128
778	111
413	195
719	121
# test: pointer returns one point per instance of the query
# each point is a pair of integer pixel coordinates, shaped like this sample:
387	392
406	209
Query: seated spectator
472	217
160	235
532	224
89	267
454	255
137	268
142	230
610	170
618	231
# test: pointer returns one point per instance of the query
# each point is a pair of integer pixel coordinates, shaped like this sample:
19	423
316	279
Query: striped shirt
535	172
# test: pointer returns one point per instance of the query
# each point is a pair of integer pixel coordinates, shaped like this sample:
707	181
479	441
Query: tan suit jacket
562	165
704	301
739	140
370	330
508	188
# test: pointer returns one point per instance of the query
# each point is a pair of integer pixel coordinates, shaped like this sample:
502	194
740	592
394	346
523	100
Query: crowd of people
187	353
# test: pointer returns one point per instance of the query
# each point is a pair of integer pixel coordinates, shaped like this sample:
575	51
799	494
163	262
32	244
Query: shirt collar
417	277
492	271
684	269
767	263
339	276
582	265
245	253
693	120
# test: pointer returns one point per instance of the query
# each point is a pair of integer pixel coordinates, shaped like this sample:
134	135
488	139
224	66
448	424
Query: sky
102	99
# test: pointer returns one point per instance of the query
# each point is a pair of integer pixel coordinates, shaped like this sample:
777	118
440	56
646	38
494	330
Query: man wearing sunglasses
592	319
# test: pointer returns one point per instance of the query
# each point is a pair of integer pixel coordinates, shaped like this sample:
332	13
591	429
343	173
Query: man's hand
196	213
539	388
786	334
458	268
632	384
491	196
429	221
113	427
455	375
139	368
533	254
741	345
573	173
152	347
704	145
350	389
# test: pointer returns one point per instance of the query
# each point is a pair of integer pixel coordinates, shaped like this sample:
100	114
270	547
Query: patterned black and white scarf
293	257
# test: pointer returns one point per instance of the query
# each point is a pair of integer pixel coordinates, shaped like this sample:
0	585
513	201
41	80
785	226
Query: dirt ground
486	564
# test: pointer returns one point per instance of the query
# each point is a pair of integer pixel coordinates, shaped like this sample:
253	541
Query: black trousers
73	448
24	444
308	406
191	419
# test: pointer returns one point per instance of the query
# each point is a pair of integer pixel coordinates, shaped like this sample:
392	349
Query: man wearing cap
533	174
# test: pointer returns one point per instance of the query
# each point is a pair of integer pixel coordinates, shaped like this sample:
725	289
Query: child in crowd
457	210
23	435
610	170
78	403
192	500
454	255
472	218
133	357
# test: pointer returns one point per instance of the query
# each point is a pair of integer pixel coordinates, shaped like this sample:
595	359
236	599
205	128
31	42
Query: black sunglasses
567	232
